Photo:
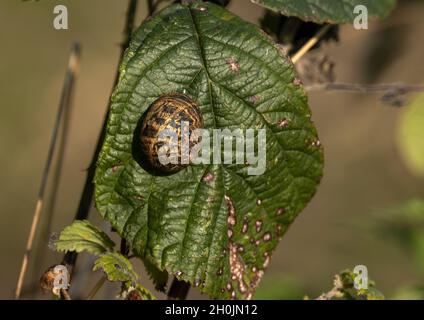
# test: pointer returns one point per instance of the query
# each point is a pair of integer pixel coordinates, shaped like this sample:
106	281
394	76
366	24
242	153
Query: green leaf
116	267
81	235
410	136
328	11
211	225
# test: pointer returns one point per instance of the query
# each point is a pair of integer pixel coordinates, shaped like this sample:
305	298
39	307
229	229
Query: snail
166	115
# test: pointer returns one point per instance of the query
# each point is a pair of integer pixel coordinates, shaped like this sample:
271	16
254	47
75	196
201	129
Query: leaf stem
99	284
179	290
365	88
310	44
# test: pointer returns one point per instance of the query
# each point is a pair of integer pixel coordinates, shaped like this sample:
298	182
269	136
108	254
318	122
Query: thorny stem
125	251
310	44
87	194
64	105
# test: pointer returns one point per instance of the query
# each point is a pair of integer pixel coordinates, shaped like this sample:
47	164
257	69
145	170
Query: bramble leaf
80	236
214	226
116	267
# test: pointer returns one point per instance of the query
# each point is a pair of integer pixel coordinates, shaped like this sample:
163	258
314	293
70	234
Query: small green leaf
80	236
411	136
116	267
328	11
215	225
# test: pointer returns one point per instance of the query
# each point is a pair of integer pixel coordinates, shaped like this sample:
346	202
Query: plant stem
64	104
365	88
310	44
96	288
51	202
179	290
88	191
151	7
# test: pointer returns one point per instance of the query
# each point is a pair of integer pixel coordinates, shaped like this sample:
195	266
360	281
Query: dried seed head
54	279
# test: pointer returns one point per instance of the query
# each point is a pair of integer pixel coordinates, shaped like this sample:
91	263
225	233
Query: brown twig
64	104
51	203
365	88
99	284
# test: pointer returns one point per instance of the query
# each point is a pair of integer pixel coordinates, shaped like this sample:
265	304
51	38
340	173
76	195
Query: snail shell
167	113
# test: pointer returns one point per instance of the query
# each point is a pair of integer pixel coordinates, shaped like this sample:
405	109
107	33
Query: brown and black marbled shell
167	113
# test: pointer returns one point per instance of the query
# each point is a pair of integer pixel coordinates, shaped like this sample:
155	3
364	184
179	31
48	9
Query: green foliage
344	289
216	233
116	267
328	11
411	136
83	236
405	224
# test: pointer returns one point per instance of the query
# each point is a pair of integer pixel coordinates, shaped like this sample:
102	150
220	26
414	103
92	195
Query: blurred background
367	210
